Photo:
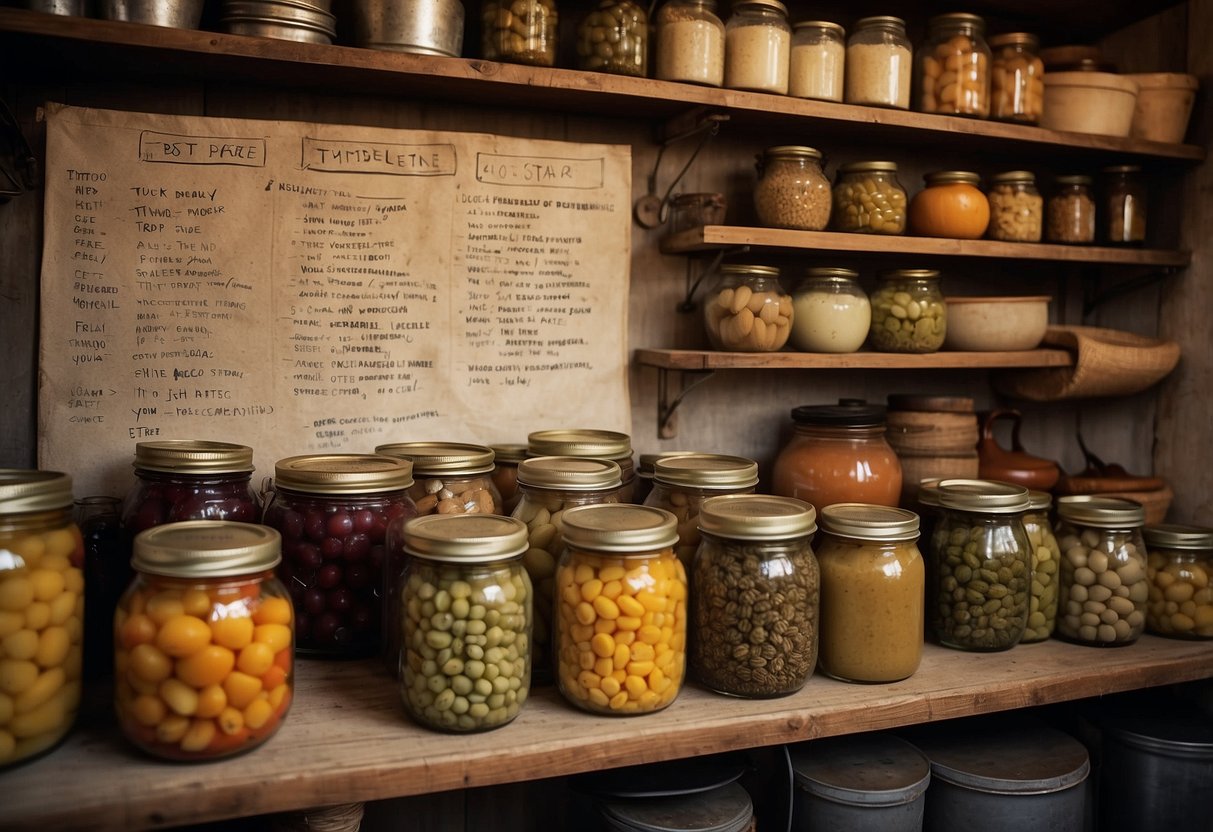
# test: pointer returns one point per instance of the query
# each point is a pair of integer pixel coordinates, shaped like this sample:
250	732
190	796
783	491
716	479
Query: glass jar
589	444
868	199
334	511
816	66
449	477
954	67
748	311
951	205
1179	565
1071	211
690	43
465	625
980	572
203	641
757	593
189	479
644	473
520	31
106	575
838	454
831	313
908	312
1124	204
547	487
614	38
41	612
506	458
872	585
879	63
757	45
1016	209
1017	86
618	569
1105	588
689	211
792	190
926	505
682	483
1046	555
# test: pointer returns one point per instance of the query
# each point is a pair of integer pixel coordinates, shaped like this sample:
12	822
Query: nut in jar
869	199
749	311
449	477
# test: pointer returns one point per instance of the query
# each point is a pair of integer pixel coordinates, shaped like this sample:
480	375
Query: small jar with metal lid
792	190
520	31
1179	566
757	594
621	610
979	575
954	67
830	312
1016	208
506	457
189	479
868	199
614	38
203	641
951	205
690	43
1017	86
757	46
587	443
547	487
879	63
1124	205
838	454
42	612
909	313
748	310
816	67
1071	212
872	588
682	483
465	664
334	511
1104	591
449	477
1046	557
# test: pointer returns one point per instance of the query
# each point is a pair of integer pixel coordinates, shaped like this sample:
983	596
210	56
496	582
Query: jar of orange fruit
203	641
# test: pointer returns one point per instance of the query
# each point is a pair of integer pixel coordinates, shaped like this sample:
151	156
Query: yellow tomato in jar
951	205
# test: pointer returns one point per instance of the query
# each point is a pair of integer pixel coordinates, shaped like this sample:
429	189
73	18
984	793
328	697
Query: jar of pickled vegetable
868	199
908	312
41	612
203	641
1179	566
621	610
980	572
872	585
614	38
756	596
505	472
1046	557
748	310
792	190
682	483
1017	86
466	622
954	67
520	31
334	511
590	444
951	205
1104	588
449	477
690	43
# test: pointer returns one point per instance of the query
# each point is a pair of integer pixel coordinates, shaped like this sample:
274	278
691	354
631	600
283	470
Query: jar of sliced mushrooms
1179	565
1046	560
614	38
868	199
1016	208
792	190
748	311
682	483
520	31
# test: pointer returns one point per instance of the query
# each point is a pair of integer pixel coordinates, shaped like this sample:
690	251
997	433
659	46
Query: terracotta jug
1016	465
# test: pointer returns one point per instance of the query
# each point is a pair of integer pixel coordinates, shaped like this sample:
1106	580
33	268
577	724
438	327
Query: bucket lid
1171	734
666	779
1011	757
861	770
726	809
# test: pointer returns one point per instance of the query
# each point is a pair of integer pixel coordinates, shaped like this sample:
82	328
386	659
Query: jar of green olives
1042	610
868	199
614	38
908	312
520	31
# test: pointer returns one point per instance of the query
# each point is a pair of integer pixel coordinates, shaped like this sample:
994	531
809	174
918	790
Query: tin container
423	27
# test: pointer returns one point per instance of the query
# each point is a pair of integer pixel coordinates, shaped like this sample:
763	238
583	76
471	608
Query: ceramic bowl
997	323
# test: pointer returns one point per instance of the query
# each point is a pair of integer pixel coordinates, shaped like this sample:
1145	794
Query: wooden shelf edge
712	360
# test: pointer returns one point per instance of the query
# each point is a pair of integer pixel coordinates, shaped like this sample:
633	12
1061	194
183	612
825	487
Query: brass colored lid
883	20
1176	536
756	517
193	456
983	496
432	459
510	452
706	471
1073	180
343	473
465	538
593	444
24	491
791	151
1101	512
746	270
1039	500
868	167
1015	39
206	549
952	177
928	492
824	25
910	274
645	463
864	521
619	527
957	19
827	272
569	473
1013	177
773	5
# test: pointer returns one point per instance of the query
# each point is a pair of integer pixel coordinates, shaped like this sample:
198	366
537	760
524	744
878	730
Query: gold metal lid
773	5
465	538
958	19
824	25
909	274
193	456
1177	536
983	496
343	473
1012	177
928	492
1073	180
206	549
1101	512
432	459
748	270
864	521
791	151
569	473
1039	500
23	491
619	527
706	471
645	462
510	452
879	21
592	444
756	517
1031	41
1123	169
830	273
952	177
868	167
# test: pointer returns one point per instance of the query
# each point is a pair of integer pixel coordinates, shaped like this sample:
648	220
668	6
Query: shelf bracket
688	305
1093	296
650	210
668	401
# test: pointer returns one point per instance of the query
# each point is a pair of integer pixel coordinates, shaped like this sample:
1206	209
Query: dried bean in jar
1105	586
792	191
1046	558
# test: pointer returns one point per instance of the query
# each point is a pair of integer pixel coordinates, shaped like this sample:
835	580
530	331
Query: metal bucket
426	27
179	14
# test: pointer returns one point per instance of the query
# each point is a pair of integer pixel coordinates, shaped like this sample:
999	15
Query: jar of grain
818	59
831	312
1016	208
1017	84
756	597
1071	211
872	583
1179	566
520	31
792	190
758	42
748	311
879	63
951	205
908	312
682	483
690	43
1124	205
1046	557
868	199
954	67
614	38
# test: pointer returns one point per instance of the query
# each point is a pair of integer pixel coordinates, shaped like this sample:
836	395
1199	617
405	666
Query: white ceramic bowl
1089	102
1164	105
996	324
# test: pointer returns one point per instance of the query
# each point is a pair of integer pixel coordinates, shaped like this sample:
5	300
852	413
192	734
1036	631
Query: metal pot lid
1184	734
206	549
984	496
861	770
1177	536
1005	757
756	517
1101	512
433	459
569	473
23	491
465	538
710	471
343	473
619	527
193	456
848	413
864	521
726	809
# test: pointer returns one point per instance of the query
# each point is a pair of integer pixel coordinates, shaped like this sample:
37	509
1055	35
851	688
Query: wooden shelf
698	360
346	738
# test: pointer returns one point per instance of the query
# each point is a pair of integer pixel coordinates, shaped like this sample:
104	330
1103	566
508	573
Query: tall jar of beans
621	610
520	31
748	310
333	511
954	67
466	622
758	43
1179	566
756	600
1104	587
204	641
589	443
682	483
690	43
1046	561
792	190
42	599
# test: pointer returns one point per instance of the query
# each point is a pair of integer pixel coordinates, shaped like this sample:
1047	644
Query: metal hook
650	209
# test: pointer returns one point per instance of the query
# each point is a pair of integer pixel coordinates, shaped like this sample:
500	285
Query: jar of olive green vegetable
868	199
466	621
1042	610
614	38
908	312
980	569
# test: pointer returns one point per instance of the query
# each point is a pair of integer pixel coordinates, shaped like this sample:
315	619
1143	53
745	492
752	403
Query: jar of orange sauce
838	454
951	205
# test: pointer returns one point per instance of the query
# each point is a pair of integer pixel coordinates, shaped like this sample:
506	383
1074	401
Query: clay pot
1016	465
